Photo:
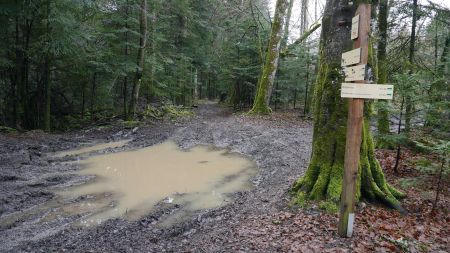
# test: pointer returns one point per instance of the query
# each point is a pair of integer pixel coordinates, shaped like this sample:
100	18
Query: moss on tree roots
323	178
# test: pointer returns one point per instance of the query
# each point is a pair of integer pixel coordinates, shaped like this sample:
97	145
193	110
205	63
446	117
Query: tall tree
287	25
412	48
125	53
383	114
323	178
265	85
140	57
303	17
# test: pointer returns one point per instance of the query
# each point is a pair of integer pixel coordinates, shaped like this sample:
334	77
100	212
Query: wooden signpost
356	92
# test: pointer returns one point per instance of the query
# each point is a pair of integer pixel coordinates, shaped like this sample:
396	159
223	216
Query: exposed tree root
323	179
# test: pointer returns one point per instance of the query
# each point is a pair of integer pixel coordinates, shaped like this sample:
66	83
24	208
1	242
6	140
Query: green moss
265	84
329	206
300	199
323	178
5	129
130	124
260	108
334	188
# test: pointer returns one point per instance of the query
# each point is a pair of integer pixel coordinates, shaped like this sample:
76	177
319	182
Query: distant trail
279	144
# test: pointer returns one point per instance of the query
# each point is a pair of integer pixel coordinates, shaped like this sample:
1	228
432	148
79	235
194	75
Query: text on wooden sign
351	57
355	73
370	91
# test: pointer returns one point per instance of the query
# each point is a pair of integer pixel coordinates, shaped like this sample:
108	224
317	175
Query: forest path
279	144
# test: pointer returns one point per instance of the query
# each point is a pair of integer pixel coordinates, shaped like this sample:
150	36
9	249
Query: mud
30	175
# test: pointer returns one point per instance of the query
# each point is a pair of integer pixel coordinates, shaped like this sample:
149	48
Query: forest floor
260	219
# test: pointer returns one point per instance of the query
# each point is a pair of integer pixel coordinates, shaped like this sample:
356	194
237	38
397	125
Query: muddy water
89	149
199	178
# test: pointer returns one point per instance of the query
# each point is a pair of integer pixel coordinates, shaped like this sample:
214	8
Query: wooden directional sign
370	91
355	73
351	57
355	27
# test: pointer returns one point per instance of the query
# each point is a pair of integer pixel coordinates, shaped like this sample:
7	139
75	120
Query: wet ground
33	172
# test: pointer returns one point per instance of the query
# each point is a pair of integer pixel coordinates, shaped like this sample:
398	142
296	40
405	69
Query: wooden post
354	129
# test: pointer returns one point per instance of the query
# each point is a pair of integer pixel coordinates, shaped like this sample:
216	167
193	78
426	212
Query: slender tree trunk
125	79
262	98
412	47
399	129
200	87
152	54
438	186
15	79
140	59
436	44
295	98
83	99
276	95
303	17
286	25
47	78
305	106
195	87
383	114
93	88
323	178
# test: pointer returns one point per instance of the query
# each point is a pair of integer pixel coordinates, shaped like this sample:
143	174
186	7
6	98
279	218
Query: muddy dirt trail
34	219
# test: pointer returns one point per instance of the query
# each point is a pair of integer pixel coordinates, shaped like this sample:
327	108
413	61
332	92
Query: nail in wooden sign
355	73
355	27
369	91
351	57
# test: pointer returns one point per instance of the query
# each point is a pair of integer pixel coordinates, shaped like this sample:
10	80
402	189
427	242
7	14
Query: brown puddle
199	178
97	147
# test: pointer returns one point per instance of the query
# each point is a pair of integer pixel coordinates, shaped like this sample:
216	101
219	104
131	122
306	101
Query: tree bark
125	79
93	88
383	114
412	48
195	86
286	25
323	178
303	18
305	106
262	98
47	79
140	58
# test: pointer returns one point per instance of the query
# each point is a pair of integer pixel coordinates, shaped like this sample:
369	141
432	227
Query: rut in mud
31	174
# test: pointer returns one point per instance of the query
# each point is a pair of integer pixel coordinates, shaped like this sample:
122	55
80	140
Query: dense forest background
120	67
65	64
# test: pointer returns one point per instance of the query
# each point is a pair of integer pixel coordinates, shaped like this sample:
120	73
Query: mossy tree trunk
265	85
323	179
383	114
